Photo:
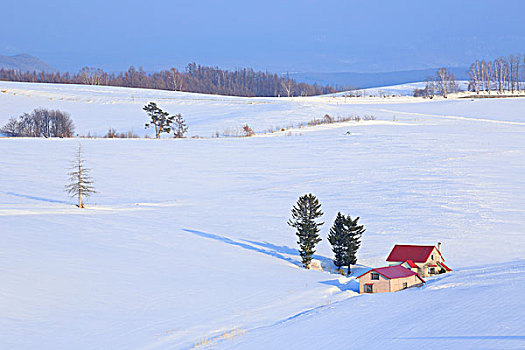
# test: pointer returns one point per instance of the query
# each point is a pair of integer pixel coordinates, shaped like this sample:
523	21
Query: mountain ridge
25	62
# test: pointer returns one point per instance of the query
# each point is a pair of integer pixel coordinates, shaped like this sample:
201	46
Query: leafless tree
81	184
286	84
474	75
92	75
446	82
176	79
180	127
430	87
10	128
517	76
41	123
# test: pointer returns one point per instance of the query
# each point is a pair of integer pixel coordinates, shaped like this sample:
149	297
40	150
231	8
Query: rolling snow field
186	245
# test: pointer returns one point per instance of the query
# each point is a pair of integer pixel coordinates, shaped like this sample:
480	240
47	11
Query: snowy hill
95	109
369	80
185	245
456	307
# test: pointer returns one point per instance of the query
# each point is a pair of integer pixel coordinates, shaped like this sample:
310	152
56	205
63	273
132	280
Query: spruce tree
159	119
304	214
81	184
338	238
354	233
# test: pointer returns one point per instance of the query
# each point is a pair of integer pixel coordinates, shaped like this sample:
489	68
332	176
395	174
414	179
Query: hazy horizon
306	36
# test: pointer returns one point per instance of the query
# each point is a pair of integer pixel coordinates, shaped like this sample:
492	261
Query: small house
388	279
425	260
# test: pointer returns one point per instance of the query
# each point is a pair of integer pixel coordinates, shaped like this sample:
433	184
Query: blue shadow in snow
352	285
326	263
270	252
34	198
278	248
471	337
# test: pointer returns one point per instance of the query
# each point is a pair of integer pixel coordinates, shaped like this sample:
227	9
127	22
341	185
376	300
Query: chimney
439	247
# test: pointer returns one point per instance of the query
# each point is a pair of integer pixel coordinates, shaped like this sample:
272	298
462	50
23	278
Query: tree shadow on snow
253	246
326	263
34	198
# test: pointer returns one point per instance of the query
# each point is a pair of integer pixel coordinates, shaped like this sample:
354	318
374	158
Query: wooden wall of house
380	286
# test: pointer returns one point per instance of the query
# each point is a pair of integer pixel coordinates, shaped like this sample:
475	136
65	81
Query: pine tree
180	126
338	238
81	184
159	119
304	214
354	233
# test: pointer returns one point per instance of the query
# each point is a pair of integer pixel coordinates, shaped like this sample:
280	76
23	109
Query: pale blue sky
279	36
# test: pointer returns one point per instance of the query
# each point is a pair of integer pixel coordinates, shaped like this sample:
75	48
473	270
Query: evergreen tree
158	118
81	183
180	126
304	214
354	233
338	238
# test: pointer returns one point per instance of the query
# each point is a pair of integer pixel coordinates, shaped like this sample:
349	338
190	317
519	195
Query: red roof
416	253
444	266
393	272
411	264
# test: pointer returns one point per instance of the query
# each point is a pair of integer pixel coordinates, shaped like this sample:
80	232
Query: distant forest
196	78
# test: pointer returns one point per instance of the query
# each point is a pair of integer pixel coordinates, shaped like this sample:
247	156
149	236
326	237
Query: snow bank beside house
474	308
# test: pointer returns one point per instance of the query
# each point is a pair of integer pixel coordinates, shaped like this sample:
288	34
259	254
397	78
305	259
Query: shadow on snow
34	198
279	253
270	252
351	285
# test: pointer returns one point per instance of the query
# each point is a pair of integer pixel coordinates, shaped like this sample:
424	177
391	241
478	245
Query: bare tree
180	126
430	87
483	73
513	62
286	84
10	128
446	82
517	73
176	79
92	75
474	76
489	76
41	123
81	184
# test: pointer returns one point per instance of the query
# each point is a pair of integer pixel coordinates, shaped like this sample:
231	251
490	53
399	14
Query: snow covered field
186	243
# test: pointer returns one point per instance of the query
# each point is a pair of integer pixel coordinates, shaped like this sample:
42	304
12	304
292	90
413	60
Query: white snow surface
406	89
185	245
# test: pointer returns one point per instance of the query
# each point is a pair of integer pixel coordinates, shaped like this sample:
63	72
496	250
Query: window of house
405	285
432	257
432	270
369	288
374	276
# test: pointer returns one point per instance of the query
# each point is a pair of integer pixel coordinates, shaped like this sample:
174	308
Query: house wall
384	285
397	283
380	286
423	267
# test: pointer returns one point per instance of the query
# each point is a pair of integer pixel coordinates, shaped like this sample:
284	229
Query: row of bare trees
442	84
40	123
195	78
501	75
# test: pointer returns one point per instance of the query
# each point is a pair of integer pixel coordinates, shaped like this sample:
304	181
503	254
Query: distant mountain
369	80
25	62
